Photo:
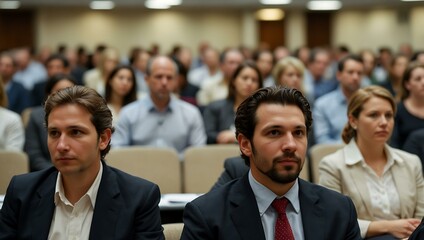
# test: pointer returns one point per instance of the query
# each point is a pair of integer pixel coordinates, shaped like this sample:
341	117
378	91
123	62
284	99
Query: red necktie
282	226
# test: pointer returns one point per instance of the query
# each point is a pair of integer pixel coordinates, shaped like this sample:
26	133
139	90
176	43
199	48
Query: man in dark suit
80	197
233	168
271	128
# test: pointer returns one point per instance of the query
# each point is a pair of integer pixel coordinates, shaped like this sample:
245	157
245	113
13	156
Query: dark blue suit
18	97
231	212
126	207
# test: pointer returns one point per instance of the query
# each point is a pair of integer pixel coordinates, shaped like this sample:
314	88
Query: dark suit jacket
36	141
231	212
418	234
18	97
415	144
233	168
126	207
218	116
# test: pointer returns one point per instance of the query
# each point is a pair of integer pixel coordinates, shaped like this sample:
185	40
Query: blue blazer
18	97
231	212
126	207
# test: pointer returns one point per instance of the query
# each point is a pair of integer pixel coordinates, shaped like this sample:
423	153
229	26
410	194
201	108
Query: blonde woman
289	72
385	184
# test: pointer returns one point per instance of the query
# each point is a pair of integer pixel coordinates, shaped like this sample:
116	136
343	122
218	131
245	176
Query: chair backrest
173	231
317	152
12	163
203	165
159	165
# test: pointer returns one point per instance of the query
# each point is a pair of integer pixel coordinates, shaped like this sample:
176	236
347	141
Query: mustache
288	156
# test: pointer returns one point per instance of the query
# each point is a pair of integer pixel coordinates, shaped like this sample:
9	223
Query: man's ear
105	138
245	145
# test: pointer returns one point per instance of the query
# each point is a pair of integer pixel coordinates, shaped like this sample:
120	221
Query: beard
290	174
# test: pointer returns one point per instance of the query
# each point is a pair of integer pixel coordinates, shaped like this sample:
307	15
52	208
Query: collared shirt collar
340	96
264	196
353	155
147	101
59	195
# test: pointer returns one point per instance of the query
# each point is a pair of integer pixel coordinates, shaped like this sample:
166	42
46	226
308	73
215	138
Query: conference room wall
126	28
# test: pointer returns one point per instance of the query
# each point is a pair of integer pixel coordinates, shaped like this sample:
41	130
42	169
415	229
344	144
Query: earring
354	127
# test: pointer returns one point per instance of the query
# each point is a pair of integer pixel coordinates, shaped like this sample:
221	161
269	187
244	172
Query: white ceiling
236	4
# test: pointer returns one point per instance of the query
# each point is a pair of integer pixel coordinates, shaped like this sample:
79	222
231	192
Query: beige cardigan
338	173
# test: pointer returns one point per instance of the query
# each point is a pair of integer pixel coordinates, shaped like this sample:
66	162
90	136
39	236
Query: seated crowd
372	103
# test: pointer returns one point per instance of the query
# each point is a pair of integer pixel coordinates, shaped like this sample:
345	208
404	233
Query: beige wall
125	28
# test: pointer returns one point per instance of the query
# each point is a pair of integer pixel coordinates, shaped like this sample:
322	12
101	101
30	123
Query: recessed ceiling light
9	4
102	5
156	4
270	14
275	2
412	0
324	5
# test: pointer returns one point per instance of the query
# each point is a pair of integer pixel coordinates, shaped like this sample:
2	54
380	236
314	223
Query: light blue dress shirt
178	127
264	198
330	117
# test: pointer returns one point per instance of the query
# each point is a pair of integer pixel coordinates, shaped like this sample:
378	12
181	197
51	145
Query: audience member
160	119
209	71
29	71
280	52
11	128
185	90
415	144
265	61
35	131
219	115
410	115
303	54
369	61
330	110
55	64
418	56
211	91
289	72
120	90
315	83
96	78
139	65
381	71
80	197
17	96
76	70
271	128
394	81
385	184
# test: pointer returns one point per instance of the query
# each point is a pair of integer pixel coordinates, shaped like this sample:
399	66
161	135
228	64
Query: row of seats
197	173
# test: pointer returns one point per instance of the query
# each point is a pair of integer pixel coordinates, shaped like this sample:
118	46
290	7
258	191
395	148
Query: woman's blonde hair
356	103
282	65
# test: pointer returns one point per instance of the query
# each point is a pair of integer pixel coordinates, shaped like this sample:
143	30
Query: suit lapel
107	207
399	174
357	176
42	208
312	212
244	211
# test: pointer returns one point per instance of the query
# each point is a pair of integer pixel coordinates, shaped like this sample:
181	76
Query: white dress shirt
73	222
265	197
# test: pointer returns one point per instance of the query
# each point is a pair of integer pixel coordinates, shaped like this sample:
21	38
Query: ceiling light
156	4
9	4
412	0
324	5
102	5
275	2
173	2
270	14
